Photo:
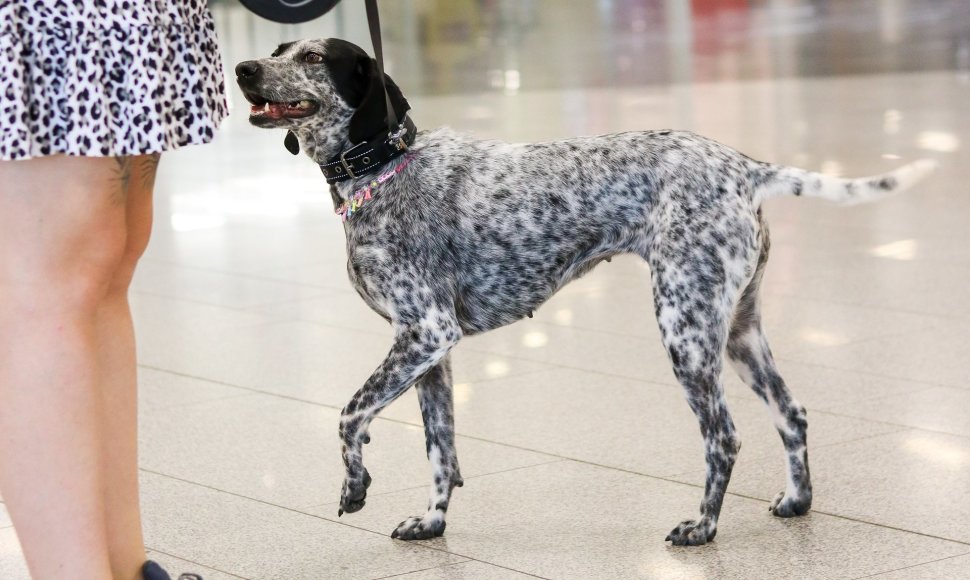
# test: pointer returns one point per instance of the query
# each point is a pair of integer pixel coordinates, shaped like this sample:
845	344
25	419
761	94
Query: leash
373	153
374	23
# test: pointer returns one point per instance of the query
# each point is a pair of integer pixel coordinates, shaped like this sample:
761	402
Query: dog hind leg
694	329
437	409
749	354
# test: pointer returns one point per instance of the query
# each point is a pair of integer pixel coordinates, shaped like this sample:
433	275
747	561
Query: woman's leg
63	237
119	387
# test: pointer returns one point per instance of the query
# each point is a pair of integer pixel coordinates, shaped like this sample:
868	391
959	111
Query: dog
450	236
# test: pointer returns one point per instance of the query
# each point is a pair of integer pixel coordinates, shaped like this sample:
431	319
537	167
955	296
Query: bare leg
437	409
62	238
118	381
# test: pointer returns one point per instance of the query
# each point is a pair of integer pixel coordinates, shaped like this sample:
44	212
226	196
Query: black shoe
152	571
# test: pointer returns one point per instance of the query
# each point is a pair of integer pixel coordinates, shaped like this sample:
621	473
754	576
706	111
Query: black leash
374	23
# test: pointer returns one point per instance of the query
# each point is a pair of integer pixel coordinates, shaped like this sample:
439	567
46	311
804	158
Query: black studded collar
365	157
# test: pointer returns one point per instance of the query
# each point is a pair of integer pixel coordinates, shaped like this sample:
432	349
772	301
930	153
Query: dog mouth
262	108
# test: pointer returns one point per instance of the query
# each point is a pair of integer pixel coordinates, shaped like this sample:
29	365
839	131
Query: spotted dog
464	235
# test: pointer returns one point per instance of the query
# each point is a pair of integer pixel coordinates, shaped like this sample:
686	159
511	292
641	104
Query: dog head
326	92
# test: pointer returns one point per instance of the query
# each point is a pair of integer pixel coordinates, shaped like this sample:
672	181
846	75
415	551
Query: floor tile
161	390
241	250
167	318
823	388
642	427
12	563
625	307
338	308
217	288
907	480
298	359
948	569
938	356
5	521
627	356
935	409
288	453
466	571
567	520
255	540
175	566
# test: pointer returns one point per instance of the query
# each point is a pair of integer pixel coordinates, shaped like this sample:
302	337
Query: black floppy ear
291	143
370	118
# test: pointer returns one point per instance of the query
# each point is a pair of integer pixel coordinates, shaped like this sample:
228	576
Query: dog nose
247	68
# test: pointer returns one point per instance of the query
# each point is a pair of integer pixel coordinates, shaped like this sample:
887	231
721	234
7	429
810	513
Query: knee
134	248
64	277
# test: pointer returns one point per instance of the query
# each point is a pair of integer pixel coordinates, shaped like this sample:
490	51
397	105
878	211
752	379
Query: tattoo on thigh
123	176
146	167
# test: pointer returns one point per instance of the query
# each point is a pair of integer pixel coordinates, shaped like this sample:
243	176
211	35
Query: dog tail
773	180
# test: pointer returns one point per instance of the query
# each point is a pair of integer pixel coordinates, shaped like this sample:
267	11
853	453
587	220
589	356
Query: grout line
459	564
320	506
913	566
870	374
315	516
157	551
421	570
250	276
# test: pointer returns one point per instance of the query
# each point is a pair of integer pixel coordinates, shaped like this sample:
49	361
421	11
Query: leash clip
348	167
399	137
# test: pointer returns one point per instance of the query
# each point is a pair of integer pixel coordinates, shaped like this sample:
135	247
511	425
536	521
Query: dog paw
692	533
353	494
419	528
788	507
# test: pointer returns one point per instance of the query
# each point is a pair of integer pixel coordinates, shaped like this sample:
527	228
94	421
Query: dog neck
366	158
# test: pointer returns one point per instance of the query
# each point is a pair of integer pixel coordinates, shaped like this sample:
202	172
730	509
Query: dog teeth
266	107
305	104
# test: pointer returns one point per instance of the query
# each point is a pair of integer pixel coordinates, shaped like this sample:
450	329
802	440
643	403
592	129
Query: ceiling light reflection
938	141
936	450
497	368
890	121
535	339
512	82
901	250
564	316
833	168
462	393
822	337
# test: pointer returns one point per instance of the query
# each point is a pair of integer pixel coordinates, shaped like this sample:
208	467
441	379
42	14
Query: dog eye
313	57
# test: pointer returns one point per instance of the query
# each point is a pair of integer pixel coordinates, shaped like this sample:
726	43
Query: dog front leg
437	409
417	348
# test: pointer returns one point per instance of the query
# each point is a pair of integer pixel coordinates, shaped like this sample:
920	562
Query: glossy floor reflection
578	449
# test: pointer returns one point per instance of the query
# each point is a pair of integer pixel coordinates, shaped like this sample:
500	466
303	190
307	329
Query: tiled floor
578	450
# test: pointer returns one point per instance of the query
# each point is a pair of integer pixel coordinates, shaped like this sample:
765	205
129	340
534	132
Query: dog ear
370	118
291	143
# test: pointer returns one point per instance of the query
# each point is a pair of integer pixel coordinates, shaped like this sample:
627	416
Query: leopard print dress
107	77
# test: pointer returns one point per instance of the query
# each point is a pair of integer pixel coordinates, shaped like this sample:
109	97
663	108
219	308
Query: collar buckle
348	167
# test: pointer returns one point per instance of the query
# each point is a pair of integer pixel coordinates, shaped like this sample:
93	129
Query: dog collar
369	155
355	201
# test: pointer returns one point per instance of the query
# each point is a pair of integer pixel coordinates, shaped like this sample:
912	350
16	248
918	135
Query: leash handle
374	23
